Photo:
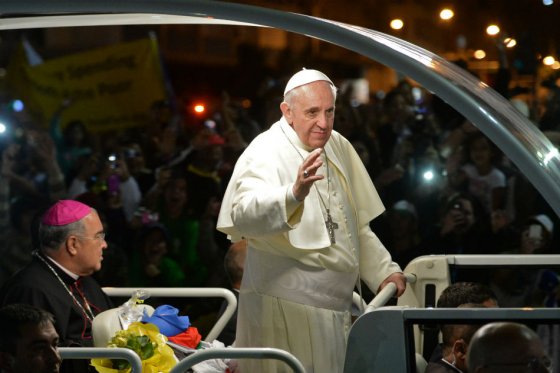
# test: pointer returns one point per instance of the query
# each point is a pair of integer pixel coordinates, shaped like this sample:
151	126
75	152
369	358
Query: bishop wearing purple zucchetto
71	244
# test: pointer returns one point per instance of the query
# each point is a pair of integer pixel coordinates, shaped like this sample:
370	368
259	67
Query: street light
397	24
548	60
510	42
446	14
479	54
199	108
492	30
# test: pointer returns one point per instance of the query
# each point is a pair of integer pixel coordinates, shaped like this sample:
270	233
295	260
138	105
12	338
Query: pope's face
311	113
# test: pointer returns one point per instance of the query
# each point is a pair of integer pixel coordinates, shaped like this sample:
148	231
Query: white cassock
297	287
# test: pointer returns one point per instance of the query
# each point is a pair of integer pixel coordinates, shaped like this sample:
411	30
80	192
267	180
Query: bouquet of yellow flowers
147	342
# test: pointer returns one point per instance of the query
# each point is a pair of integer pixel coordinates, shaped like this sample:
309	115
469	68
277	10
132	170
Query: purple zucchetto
64	212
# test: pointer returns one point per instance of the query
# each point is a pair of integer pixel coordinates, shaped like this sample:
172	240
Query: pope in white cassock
303	199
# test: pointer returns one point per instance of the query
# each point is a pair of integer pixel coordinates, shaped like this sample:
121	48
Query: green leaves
141	344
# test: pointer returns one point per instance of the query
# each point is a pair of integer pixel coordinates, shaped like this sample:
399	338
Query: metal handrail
238	353
188	293
358	302
387	293
103	352
522	260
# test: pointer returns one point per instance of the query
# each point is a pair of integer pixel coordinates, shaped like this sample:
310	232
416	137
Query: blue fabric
167	319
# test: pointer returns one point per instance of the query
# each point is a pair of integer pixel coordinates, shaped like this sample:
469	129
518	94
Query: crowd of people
157	191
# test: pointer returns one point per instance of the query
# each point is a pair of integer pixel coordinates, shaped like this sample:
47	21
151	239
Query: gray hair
51	237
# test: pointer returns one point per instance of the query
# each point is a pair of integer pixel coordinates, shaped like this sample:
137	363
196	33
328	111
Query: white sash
289	279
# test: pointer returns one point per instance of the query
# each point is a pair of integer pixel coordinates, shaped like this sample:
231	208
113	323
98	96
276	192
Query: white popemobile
397	342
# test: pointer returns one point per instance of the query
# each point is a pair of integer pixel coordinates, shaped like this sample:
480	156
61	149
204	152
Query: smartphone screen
113	184
535	231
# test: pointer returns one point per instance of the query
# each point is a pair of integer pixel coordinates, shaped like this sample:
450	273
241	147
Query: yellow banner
109	88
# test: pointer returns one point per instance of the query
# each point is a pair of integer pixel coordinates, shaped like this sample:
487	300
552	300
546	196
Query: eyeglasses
98	237
534	365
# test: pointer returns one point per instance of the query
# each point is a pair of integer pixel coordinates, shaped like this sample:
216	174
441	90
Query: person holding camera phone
463	228
109	174
136	164
120	182
480	174
522	287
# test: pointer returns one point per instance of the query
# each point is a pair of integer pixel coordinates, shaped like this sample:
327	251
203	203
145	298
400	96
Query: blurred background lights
555	65
548	2
492	30
210	124
246	103
446	14
548	60
397	24
479	54
510	42
2	128
199	108
428	175
17	105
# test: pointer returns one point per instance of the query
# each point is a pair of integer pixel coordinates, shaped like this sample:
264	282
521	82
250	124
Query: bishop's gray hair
51	237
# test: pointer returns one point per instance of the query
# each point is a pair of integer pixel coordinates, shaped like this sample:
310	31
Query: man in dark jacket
28	340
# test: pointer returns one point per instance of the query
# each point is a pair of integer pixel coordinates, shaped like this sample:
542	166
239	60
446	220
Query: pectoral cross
331	226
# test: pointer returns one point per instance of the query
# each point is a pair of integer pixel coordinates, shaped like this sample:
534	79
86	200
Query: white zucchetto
305	76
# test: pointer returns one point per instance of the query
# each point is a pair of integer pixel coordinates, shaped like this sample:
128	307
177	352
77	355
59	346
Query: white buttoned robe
259	206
